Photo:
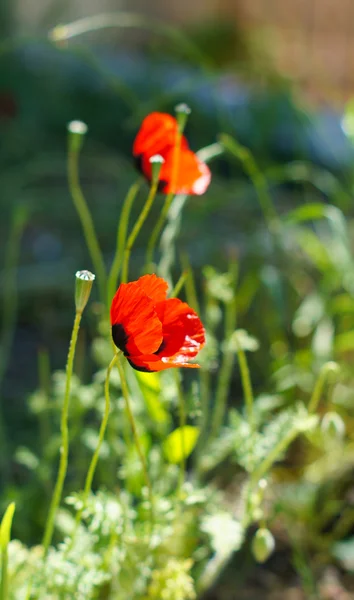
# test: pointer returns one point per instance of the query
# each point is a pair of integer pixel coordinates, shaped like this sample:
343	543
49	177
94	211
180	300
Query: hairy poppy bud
77	131
83	285
156	162
333	425
263	545
182	111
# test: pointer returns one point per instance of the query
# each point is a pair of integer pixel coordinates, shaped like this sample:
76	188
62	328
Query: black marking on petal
161	347
142	369
162	185
120	337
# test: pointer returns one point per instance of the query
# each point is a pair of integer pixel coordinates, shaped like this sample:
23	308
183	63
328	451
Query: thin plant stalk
205	389
161	220
64	449
250	166
85	216
138	446
137	227
182	423
121	239
246	386
224	378
190	287
179	285
327	369
9	311
96	454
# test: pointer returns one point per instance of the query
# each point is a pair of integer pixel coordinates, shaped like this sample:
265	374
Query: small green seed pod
83	285
263	545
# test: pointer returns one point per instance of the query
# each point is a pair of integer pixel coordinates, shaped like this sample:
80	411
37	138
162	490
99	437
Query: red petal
151	363
158	132
183	332
193	175
133	311
154	287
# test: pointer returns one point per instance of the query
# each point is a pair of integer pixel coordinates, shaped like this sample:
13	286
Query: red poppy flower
158	135
154	332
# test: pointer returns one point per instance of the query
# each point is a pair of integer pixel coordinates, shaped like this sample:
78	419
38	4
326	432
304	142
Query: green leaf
150	386
344	342
5	527
180	442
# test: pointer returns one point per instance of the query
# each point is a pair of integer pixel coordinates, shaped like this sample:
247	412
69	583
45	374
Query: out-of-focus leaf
342	304
5	528
309	313
181	441
322	342
344	342
150	386
344	552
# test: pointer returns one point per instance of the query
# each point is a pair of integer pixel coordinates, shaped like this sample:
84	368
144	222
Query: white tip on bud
77	131
156	162
182	111
83	285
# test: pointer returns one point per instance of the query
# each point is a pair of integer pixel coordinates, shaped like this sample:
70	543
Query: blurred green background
275	75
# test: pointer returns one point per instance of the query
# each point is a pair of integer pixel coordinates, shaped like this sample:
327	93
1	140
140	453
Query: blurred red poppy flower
158	135
154	332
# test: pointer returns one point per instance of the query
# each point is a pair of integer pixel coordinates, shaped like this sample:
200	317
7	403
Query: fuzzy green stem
182	423
327	369
121	239
64	449
85	217
131	419
250	166
168	201
137	227
96	454
224	378
246	386
179	285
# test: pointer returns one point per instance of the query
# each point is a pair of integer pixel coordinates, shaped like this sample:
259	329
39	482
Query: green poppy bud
77	131
156	162
83	285
263	545
182	111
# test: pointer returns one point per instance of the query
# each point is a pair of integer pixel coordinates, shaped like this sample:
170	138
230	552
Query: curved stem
256	176
157	230
246	386
85	218
64	449
131	419
168	201
121	238
327	369
182	423
224	378
96	454
136	229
